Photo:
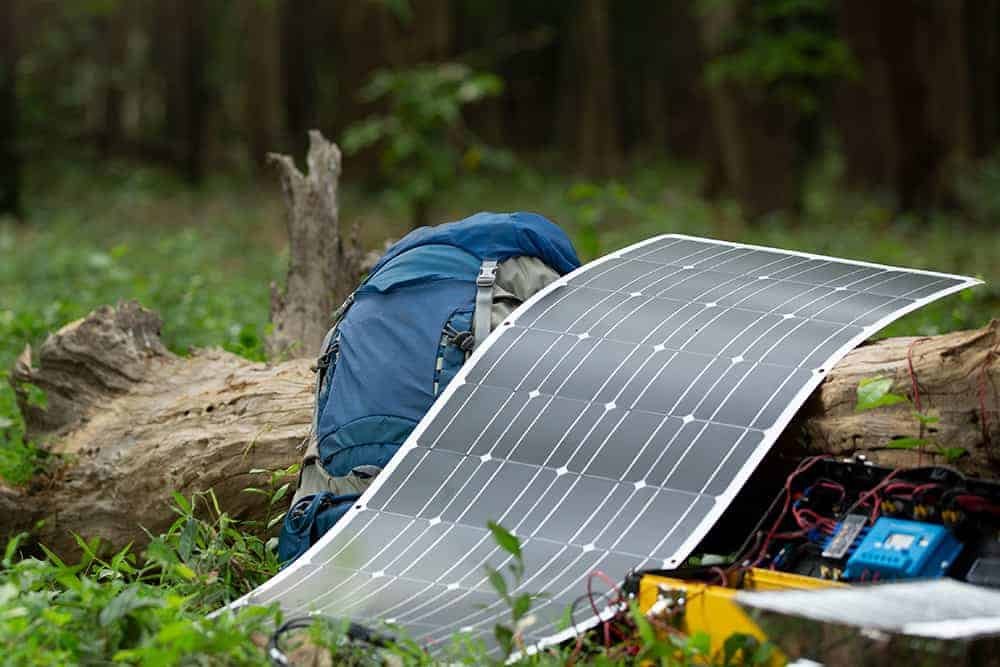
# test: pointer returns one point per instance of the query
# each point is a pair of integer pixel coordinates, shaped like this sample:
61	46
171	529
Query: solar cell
607	423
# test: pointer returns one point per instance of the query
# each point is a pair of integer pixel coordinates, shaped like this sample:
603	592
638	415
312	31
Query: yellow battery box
696	606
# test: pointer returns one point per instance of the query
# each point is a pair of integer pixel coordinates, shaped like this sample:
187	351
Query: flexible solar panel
607	423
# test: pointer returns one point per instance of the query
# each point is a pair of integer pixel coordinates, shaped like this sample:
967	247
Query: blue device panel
901	549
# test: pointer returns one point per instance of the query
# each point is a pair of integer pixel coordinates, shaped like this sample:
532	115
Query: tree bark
10	165
114	56
863	106
755	135
261	94
134	423
298	69
587	97
924	105
323	263
182	46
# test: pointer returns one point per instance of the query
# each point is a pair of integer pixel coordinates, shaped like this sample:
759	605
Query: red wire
973	503
802	467
923	488
873	493
593	605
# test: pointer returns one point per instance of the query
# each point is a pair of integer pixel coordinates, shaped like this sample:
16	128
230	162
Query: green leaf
646	632
185	571
735	644
124	604
521	606
926	419
700	643
952	454
874	393
182	502
280	493
907	443
497	581
505	637
505	539
35	396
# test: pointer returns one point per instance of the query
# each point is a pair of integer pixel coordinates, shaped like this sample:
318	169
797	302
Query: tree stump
323	264
135	423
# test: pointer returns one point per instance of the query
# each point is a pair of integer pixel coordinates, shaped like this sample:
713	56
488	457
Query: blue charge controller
901	549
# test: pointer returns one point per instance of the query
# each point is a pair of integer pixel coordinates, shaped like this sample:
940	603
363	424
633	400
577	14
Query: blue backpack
398	341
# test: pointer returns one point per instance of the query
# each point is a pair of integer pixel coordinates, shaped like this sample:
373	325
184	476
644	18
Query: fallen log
133	422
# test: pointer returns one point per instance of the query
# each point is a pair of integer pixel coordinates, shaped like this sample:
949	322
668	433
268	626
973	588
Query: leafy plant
213	557
422	142
789	47
597	207
103	610
875	393
509	636
279	483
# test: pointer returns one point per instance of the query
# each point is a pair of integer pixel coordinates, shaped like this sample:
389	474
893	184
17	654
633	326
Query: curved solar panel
608	423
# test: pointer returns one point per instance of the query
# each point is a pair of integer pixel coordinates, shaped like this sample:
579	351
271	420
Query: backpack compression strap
484	300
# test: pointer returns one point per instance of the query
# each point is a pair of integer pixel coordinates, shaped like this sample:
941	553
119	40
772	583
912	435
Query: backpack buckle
487	274
464	341
324	360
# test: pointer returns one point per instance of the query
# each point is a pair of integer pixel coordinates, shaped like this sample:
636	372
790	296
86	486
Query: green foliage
423	144
202	261
875	393
519	604
979	190
789	47
209	554
596	208
148	611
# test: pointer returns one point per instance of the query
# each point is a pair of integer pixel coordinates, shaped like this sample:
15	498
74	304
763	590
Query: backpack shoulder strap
484	300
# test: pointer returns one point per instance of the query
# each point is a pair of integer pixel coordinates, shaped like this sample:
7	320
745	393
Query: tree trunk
261	93
134	422
982	28
298	70
591	135
863	107
10	165
115	27
755	136
920	110
323	263
183	52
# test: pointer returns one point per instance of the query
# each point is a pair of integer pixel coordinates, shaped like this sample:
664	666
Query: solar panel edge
305	566
802	253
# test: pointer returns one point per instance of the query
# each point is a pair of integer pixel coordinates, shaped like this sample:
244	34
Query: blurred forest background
133	137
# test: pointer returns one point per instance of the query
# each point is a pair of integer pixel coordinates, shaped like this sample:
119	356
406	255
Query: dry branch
136	422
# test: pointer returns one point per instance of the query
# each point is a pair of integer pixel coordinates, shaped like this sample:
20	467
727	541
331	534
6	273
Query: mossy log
132	422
